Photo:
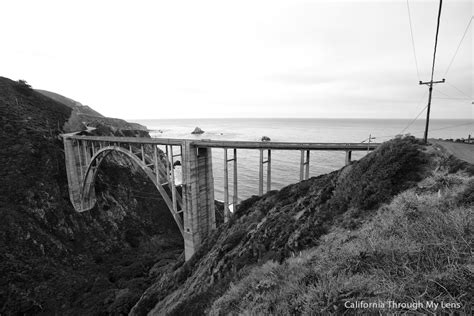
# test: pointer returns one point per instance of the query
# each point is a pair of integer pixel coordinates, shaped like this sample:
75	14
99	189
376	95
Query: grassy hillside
417	248
285	224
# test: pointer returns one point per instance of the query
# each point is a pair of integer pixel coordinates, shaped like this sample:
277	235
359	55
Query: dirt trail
460	150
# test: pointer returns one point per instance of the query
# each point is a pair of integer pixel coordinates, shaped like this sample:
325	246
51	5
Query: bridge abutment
198	196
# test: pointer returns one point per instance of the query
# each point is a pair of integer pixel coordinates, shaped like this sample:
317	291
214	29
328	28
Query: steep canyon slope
53	259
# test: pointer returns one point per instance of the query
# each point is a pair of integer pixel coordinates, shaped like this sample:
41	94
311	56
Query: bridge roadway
193	211
205	143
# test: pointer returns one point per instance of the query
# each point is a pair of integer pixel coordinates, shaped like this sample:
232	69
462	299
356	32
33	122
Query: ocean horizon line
295	118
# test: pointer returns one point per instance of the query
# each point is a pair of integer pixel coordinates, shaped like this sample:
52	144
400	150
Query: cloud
302	77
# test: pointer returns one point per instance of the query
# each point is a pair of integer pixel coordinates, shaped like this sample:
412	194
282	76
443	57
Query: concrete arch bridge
193	210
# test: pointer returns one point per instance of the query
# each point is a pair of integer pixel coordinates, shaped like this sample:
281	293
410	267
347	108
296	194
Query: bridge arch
88	182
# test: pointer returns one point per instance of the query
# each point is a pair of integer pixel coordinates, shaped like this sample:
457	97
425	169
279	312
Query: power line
420	131
459	45
446	98
462	92
446	95
446	127
413	121
413	41
449	97
422	110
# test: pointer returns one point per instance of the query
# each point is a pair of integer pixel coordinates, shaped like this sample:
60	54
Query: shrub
233	239
392	168
414	247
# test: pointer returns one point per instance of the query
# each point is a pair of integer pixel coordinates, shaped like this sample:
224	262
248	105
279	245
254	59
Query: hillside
393	226
52	259
83	116
83	109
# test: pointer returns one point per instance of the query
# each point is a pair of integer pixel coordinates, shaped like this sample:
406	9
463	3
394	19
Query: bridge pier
304	165
77	159
198	196
348	157
262	162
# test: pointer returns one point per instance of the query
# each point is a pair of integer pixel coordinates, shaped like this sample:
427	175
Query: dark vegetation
52	259
460	140
418	248
282	223
396	224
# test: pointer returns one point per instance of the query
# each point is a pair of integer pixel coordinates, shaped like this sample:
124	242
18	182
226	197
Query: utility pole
431	82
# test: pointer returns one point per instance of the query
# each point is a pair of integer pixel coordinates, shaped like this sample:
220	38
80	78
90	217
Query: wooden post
143	154
235	198
226	188
260	174
269	170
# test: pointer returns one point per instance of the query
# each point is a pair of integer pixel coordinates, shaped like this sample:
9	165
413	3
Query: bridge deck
233	144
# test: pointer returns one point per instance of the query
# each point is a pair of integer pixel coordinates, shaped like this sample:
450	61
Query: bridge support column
198	196
348	157
77	160
304	165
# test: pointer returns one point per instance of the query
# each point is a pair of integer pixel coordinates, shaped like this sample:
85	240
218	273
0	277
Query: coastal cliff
395	224
53	259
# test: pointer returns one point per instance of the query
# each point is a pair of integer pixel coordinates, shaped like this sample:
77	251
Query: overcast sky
196	59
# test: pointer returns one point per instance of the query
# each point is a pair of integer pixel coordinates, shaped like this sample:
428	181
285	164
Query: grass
283	223
416	248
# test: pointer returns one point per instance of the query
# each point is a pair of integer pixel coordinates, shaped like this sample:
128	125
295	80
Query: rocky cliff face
53	259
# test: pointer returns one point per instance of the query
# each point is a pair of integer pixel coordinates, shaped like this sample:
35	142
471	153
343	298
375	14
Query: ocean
285	164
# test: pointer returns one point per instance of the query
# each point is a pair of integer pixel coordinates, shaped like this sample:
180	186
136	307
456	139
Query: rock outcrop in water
198	131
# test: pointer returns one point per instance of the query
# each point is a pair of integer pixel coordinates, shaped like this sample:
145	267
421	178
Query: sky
222	59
